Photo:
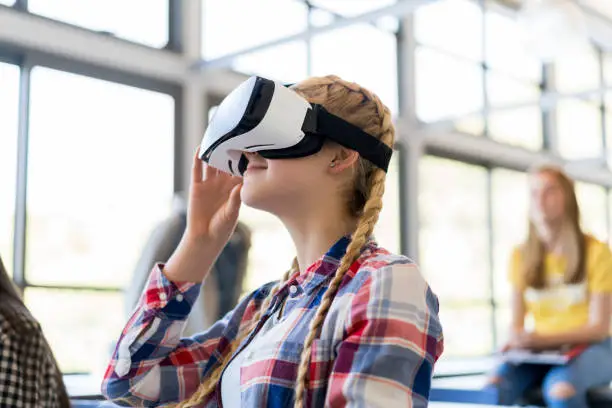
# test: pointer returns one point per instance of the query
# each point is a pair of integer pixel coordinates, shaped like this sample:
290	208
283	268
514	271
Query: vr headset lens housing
263	116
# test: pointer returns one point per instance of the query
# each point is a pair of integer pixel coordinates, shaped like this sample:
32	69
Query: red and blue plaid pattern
376	348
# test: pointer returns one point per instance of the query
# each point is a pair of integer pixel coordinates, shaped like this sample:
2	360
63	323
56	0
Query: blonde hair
573	242
364	109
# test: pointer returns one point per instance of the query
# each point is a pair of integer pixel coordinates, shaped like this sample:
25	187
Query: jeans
590	369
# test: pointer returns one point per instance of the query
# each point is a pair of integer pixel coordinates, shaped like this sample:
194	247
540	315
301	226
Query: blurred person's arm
152	363
518	311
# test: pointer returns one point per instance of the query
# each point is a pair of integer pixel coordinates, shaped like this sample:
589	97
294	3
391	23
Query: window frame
486	70
26	61
173	43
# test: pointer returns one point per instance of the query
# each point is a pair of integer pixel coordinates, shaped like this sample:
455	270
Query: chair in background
222	288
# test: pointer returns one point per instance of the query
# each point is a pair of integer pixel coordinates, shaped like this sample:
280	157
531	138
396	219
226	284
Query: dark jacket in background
29	376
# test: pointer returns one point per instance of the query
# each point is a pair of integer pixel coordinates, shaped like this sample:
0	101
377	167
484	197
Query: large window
579	121
607	68
471	219
80	325
480	81
100	175
454	248
592	201
447	87
293	61
608	127
142	21
454	228
462	22
505	51
343	60
286	62
513	78
352	8
521	126
579	129
9	104
576	73
510	203
230	26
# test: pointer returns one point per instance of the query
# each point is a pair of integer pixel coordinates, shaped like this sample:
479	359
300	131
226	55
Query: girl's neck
550	234
314	235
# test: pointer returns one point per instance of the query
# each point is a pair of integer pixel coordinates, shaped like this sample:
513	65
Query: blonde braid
212	380
365	228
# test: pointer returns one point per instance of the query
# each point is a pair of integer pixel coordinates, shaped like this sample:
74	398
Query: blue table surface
459	405
472	382
102	404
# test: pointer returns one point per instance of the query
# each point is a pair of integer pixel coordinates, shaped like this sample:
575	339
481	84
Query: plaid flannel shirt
29	377
376	348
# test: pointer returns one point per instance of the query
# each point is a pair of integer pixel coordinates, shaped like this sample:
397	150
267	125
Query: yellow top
561	307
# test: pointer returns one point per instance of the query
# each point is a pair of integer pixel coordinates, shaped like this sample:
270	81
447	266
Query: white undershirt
230	380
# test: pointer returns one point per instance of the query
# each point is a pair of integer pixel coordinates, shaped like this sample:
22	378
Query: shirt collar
320	271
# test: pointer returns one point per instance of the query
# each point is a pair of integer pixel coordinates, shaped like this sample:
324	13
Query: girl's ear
343	159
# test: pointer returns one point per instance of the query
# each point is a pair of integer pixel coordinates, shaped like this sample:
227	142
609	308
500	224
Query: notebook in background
553	357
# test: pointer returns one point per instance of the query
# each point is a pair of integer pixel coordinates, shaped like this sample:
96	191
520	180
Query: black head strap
319	121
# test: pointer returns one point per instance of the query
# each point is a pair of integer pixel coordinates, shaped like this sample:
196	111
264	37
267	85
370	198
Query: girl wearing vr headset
350	324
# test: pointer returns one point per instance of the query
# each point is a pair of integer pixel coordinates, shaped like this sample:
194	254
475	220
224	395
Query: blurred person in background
223	286
562	279
350	324
29	375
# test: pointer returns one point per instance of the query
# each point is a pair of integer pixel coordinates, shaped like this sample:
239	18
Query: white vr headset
266	117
